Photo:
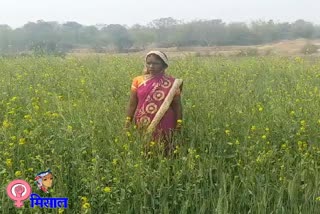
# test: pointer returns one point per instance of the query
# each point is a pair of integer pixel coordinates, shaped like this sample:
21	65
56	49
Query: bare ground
284	47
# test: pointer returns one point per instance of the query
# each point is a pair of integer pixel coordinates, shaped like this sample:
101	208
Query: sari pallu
154	113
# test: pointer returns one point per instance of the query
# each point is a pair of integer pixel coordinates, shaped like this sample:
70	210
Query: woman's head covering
162	55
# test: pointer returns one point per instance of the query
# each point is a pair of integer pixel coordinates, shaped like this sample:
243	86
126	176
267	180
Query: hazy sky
16	13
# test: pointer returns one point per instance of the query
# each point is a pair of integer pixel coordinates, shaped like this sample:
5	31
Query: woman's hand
179	125
131	108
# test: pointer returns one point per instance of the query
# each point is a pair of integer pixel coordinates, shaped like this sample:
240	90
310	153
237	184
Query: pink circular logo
18	191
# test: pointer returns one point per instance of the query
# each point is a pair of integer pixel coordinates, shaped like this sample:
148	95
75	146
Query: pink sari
153	110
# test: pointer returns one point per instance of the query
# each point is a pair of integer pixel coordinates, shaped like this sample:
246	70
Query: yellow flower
264	137
114	161
260	109
284	146
84	199
36	107
115	180
6	124
22	141
152	143
292	113
55	114
227	132
9	162
125	147
253	128
86	205
318	198
107	189
18	173
60	210
128	134
69	129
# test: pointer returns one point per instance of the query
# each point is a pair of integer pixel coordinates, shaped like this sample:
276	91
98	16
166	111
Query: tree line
52	37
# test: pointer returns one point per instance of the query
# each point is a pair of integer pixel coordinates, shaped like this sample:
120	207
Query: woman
155	101
44	180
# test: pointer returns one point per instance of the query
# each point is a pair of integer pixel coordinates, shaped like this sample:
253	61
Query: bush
309	48
248	52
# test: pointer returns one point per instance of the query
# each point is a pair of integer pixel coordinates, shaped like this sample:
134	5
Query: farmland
250	141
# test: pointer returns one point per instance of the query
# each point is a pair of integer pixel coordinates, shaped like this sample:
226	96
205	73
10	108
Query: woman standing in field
155	102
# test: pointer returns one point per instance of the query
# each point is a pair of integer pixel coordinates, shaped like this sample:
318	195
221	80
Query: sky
16	13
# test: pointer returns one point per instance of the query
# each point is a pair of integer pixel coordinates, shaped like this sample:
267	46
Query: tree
71	33
163	23
118	36
302	29
238	34
5	41
141	36
88	35
211	32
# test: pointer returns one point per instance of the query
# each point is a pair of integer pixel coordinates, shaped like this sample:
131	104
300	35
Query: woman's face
47	180
154	64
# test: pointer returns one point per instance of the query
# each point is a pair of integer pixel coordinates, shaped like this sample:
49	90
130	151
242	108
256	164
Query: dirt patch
284	47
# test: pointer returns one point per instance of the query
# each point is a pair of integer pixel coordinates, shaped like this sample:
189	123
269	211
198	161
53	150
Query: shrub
309	48
248	52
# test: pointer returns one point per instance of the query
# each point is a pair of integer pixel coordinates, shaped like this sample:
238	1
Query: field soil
283	48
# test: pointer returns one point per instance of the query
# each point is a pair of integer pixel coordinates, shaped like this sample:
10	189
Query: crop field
250	141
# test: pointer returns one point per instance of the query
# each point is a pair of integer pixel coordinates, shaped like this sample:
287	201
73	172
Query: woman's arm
177	107
133	102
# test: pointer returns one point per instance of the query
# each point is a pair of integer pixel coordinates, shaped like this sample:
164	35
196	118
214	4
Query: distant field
280	48
251	139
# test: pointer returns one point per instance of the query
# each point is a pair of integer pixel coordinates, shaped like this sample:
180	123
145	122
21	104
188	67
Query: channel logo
20	190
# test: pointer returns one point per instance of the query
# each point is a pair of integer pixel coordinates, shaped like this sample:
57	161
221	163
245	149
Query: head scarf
160	54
